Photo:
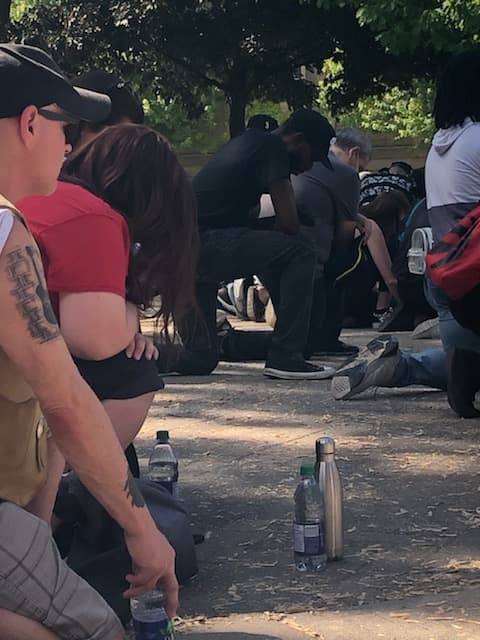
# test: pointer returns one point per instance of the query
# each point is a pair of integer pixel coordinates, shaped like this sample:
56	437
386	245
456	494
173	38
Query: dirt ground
412	507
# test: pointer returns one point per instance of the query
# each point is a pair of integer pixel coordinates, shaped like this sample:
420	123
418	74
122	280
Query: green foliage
20	7
190	58
406	25
204	134
179	50
404	113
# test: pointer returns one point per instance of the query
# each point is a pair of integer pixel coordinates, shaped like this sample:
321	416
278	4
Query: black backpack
93	541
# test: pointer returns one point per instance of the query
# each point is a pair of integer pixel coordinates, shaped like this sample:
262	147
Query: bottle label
170	485
153	630
309	539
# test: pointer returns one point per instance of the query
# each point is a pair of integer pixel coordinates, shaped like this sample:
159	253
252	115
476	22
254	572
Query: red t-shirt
84	243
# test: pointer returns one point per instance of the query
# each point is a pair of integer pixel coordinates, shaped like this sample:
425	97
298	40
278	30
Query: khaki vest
23	438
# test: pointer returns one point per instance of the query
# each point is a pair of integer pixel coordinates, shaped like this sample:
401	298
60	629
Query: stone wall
385	151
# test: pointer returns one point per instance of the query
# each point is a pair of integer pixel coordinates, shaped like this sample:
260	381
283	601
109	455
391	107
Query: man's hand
142	347
283	200
153	561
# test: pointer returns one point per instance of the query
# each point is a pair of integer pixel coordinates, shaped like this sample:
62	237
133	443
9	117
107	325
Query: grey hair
348	137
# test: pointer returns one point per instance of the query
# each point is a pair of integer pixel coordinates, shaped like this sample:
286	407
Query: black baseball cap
29	76
316	129
125	104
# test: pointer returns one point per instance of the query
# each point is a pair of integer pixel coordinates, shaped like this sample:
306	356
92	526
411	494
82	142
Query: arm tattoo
133	492
30	293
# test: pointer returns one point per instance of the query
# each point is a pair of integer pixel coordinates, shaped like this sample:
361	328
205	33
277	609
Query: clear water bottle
150	618
330	484
309	525
422	241
163	464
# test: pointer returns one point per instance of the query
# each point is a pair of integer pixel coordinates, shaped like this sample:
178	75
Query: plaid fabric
36	583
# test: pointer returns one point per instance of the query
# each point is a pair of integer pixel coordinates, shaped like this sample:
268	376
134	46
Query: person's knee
17	627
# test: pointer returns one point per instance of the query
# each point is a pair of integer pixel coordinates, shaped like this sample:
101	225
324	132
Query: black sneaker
463	369
296	369
397	319
338	348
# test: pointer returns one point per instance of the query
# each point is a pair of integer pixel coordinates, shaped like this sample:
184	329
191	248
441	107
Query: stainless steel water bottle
328	478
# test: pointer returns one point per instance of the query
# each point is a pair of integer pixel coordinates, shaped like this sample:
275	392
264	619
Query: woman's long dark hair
458	92
134	170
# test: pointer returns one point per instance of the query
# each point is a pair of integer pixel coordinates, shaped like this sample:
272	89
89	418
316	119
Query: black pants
286	266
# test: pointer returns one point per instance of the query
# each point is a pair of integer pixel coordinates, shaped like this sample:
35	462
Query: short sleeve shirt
326	197
6	224
232	182
84	243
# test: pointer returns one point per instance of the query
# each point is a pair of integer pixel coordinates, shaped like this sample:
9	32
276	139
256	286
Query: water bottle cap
325	445
163	436
307	469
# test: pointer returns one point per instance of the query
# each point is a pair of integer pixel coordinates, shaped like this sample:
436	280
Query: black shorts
120	377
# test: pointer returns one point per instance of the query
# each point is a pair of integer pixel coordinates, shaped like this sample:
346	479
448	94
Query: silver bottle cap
325	445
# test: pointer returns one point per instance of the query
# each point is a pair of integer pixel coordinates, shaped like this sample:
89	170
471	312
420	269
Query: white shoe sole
280	374
430	329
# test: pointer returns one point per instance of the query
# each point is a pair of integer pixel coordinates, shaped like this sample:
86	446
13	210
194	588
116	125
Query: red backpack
454	262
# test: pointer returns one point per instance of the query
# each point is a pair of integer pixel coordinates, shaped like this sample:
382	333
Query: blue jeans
428	368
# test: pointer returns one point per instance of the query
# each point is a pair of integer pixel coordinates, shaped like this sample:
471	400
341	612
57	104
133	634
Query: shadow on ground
412	495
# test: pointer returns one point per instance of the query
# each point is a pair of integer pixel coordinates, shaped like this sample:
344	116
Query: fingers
140	583
142	347
169	585
130	349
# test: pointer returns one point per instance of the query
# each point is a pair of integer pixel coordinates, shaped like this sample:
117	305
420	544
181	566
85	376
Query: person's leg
451	331
381	364
284	263
326	326
128	416
16	627
463	348
427	368
37	584
198	331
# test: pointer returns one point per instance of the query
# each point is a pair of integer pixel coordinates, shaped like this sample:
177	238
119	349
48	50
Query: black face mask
297	164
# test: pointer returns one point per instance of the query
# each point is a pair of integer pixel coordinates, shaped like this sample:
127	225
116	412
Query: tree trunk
238	105
5	6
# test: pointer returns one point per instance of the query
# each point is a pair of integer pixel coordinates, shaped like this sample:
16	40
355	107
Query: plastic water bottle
163	464
422	241
309	525
150	618
330	484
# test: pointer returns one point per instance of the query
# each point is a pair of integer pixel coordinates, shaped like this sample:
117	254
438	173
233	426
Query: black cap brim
84	104
80	103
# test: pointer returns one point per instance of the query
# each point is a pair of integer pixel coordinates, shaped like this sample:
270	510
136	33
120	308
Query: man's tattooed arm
133	492
23	271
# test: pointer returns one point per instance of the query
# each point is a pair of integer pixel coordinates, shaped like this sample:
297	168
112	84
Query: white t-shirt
6	224
452	176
